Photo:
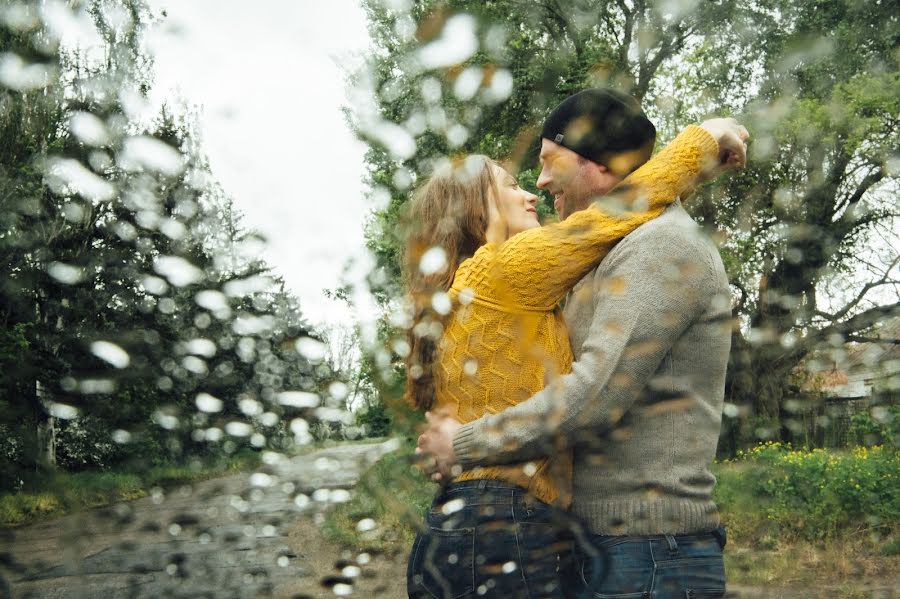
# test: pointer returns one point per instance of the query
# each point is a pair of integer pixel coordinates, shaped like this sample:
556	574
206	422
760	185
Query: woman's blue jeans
651	567
486	538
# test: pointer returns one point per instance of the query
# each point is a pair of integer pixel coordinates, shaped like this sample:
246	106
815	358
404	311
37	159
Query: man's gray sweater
642	407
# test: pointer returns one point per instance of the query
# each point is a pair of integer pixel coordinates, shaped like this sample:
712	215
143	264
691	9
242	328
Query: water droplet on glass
456	44
250	324
366	524
154	285
21	76
453	506
63	411
120	436
201	347
467	83
177	270
397	140
166	421
110	352
351	571
261	479
195	365
65	273
441	303
338	390
500	87
96	386
311	349
142	152
248	286
250	407
66	176
208	403
433	261
238	429
214	301
298	399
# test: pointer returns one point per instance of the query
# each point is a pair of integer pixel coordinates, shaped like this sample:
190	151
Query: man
650	330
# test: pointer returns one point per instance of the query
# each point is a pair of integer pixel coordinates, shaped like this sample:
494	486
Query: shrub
878	426
84	443
813	494
376	420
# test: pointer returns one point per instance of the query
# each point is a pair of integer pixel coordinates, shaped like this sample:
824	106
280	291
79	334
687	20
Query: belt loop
482	484
673	546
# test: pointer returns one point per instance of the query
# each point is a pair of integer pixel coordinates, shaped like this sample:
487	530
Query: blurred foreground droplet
111	353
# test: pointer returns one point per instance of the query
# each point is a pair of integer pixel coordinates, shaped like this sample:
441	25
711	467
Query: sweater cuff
706	143
464	446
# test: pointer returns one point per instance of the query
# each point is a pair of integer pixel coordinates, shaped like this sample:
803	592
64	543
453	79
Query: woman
488	333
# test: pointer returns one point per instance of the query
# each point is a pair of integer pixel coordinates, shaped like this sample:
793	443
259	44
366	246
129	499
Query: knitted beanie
605	126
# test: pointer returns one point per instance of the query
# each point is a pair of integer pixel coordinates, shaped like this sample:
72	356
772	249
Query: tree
816	83
129	296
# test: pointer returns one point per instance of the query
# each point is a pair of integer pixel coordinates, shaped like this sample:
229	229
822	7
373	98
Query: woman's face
514	205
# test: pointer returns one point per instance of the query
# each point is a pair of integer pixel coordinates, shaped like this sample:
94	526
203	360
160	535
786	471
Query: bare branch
864	186
865	339
884	280
627	33
851	326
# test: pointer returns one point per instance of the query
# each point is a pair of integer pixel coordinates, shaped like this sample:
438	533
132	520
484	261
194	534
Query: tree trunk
46	435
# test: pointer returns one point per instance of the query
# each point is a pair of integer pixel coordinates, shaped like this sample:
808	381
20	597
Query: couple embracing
575	379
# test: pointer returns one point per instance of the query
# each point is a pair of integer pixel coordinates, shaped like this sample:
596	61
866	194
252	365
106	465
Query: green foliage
807	232
376	419
84	266
773	492
883	430
59	493
394	494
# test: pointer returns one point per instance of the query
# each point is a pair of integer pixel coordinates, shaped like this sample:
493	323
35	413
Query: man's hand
732	138
437	443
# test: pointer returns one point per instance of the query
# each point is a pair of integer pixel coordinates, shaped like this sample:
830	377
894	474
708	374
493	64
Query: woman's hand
732	138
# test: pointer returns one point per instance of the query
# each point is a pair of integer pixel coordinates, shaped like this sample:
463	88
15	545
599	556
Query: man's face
573	181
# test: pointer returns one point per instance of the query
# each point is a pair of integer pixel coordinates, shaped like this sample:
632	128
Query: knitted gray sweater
650	331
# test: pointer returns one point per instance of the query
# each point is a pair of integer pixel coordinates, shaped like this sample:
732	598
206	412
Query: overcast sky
269	76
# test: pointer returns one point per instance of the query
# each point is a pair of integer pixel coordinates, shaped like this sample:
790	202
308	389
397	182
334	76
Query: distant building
861	370
845	381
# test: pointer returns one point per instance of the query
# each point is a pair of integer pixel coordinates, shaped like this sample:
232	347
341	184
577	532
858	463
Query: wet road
218	538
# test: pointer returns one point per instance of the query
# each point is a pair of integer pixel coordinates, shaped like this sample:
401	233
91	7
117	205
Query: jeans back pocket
443	564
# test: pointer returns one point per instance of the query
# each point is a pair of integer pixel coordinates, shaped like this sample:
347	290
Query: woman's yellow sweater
507	339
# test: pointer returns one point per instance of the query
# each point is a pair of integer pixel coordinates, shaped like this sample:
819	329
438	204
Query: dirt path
241	536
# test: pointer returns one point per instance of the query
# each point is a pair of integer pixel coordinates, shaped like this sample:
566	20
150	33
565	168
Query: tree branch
884	280
851	326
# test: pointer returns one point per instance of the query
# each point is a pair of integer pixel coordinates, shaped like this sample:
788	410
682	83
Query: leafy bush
376	420
84	443
394	495
878	426
811	494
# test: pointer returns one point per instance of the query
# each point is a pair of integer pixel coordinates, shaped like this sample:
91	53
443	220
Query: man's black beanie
600	124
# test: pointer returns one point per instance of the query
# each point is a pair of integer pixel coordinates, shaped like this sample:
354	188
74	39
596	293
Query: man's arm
656	285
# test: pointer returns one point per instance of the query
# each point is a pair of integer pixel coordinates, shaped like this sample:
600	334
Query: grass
766	545
799	519
51	495
393	494
56	494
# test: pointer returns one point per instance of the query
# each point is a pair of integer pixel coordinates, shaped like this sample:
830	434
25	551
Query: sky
269	77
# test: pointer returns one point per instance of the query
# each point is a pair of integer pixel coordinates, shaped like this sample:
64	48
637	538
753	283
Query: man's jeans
486	538
651	567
